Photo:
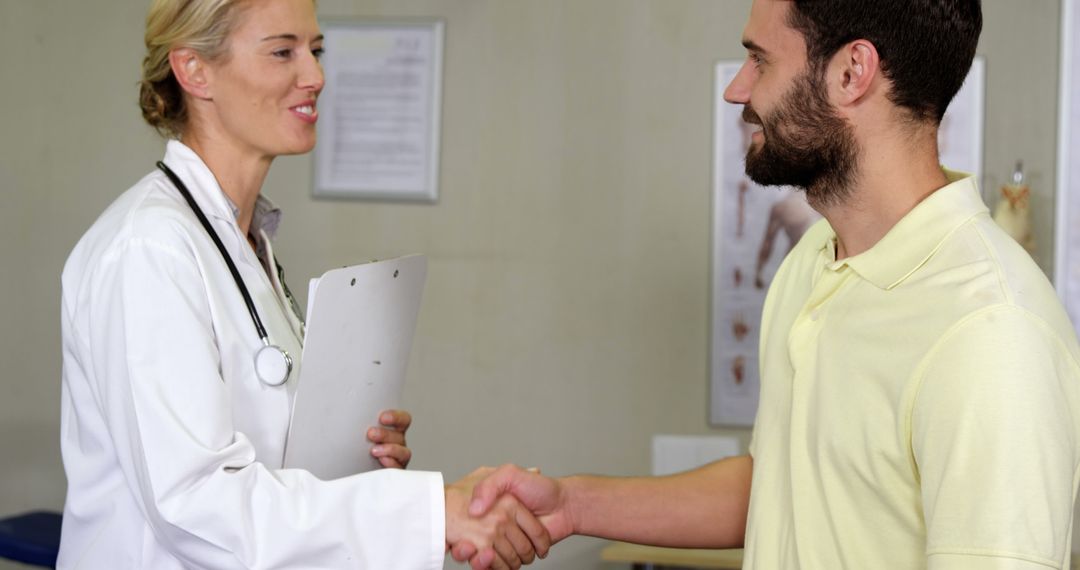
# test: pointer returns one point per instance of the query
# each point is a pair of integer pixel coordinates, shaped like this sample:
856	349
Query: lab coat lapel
283	326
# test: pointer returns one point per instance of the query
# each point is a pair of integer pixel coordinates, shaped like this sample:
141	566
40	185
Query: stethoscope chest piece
272	365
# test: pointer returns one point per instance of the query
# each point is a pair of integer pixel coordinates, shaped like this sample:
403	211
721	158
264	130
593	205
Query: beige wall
565	318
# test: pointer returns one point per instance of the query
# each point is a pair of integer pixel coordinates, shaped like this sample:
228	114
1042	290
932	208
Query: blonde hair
201	25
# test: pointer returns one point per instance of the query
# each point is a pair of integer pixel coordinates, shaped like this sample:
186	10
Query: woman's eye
318	52
283	53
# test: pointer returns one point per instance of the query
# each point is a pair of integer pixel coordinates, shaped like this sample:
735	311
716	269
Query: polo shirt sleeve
994	438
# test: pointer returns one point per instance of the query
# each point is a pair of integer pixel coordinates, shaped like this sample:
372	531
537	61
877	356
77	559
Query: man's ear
856	66
190	72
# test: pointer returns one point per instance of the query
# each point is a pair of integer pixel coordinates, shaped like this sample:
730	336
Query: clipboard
360	327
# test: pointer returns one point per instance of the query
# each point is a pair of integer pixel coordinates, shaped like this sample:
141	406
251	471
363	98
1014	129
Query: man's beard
806	145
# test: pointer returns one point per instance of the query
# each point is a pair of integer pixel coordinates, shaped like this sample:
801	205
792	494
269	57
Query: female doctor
177	330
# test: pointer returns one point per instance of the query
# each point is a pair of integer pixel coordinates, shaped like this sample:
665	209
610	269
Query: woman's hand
506	537
389	439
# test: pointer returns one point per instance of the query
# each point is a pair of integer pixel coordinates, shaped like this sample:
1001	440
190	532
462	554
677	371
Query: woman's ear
856	65
190	72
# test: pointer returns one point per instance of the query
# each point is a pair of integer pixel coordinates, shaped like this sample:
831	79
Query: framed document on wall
380	110
754	227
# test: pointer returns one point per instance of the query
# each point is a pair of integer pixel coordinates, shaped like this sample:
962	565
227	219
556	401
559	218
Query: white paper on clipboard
360	326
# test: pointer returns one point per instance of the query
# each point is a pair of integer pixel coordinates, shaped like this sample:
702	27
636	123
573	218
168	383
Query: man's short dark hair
926	46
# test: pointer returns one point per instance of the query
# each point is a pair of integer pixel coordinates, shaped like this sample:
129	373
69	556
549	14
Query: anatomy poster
754	227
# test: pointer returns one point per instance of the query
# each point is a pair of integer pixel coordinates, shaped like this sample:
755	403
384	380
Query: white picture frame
1067	214
747	249
738	281
380	111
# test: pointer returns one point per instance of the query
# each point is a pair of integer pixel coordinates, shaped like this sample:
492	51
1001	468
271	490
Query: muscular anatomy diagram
792	215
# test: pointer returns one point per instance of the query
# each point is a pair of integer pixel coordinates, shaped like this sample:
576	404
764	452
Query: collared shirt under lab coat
172	447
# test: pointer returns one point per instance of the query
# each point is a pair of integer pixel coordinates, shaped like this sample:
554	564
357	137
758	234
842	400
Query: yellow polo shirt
920	402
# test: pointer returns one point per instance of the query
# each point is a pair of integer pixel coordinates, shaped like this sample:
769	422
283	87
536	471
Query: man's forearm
703	508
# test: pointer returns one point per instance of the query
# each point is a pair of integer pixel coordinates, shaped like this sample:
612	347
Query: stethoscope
272	363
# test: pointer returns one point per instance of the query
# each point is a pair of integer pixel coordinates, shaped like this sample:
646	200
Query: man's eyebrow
751	46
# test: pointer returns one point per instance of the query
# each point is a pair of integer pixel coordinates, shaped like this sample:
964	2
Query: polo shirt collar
917	236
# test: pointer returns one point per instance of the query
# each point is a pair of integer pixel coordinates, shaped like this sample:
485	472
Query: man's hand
701	508
505	537
543	496
391	449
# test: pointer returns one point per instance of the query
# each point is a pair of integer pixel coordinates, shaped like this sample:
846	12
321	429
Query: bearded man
920	382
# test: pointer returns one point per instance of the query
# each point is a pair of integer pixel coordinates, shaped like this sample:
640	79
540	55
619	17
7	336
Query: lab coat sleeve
207	499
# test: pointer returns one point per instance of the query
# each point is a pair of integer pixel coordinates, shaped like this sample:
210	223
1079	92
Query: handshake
495	518
504	518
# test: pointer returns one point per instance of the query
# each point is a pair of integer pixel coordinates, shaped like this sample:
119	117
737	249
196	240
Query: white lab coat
173	448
